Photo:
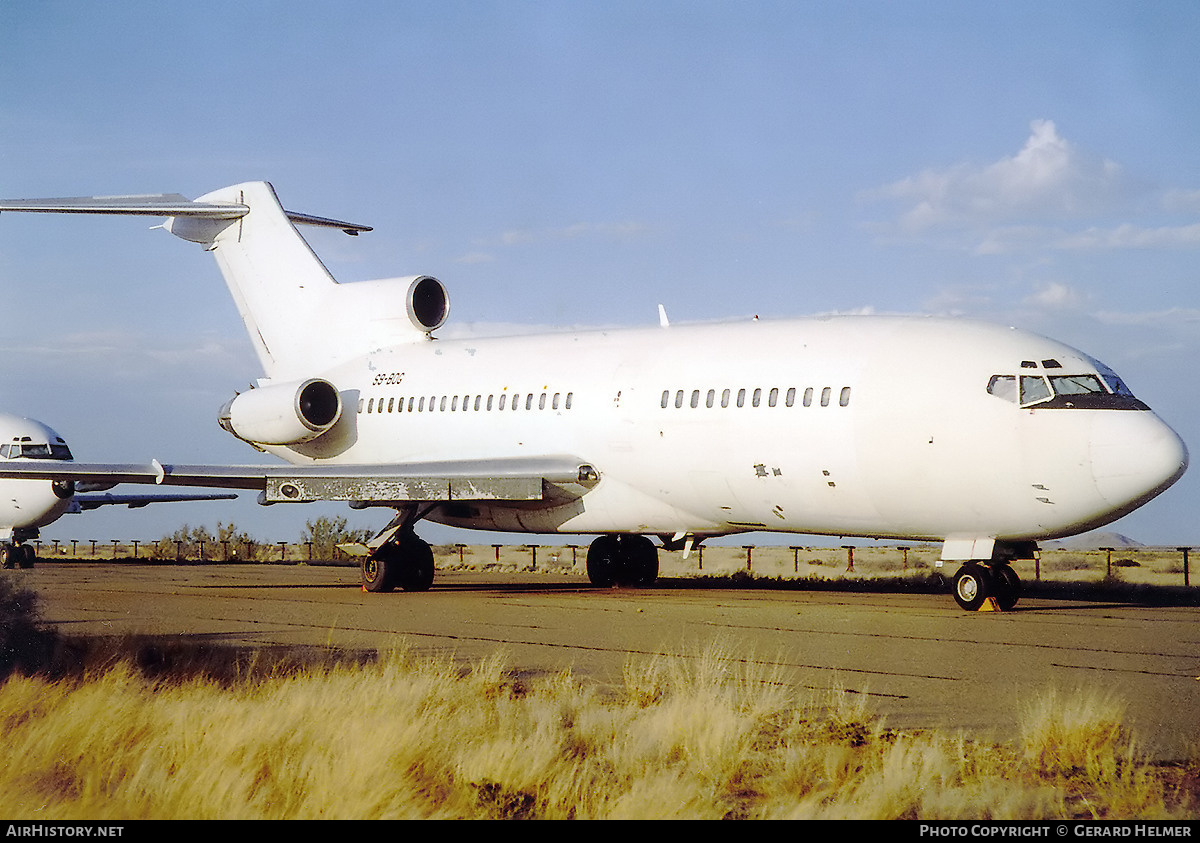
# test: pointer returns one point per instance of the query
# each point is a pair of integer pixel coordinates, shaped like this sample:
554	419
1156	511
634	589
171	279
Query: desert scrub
25	644
700	736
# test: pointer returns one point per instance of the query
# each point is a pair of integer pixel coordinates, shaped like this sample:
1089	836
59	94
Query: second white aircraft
28	505
985	438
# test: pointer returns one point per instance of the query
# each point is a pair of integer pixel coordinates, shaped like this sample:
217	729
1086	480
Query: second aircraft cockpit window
35	451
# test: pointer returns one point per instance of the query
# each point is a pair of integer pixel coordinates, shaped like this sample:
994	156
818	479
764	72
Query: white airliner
985	438
28	505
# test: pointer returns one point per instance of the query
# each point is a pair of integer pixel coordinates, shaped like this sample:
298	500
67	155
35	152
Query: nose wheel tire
1008	587
17	556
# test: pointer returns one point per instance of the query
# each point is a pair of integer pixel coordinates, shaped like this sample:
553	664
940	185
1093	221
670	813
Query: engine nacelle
428	303
283	414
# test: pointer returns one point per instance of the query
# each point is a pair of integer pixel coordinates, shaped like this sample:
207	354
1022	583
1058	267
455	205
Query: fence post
849	557
1185	550
1108	561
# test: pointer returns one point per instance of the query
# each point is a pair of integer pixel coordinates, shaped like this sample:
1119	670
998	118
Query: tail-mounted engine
428	303
282	414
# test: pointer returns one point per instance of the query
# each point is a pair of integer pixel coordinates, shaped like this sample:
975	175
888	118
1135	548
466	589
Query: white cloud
1173	316
1034	201
602	230
476	257
1181	201
1056	296
116	356
1128	236
1048	178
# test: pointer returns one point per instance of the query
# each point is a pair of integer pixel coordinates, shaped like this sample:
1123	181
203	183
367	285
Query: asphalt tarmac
919	660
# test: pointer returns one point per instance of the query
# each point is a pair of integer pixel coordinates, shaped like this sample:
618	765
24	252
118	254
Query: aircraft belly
27	504
612	506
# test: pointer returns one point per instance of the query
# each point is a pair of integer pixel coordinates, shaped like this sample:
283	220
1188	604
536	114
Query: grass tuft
700	735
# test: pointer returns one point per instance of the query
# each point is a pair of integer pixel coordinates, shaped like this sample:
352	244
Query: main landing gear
626	560
17	555
975	582
403	561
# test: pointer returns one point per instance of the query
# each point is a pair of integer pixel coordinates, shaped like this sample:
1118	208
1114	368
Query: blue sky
577	163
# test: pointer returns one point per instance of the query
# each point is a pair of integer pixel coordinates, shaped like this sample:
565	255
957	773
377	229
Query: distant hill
1092	541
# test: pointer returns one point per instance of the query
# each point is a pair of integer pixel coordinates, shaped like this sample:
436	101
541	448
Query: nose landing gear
975	582
17	555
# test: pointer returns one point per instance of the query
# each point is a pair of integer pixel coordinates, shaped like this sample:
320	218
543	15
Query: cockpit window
1033	389
1076	385
36	451
1003	386
1103	391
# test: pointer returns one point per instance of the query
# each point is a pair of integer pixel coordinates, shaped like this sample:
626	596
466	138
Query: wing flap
513	479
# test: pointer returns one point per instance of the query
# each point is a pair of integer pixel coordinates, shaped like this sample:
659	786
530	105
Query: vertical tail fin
300	320
279	284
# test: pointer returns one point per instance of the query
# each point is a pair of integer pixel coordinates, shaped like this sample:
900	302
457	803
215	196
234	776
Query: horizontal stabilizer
161	205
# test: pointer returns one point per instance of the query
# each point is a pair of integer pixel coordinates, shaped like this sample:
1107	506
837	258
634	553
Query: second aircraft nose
1135	456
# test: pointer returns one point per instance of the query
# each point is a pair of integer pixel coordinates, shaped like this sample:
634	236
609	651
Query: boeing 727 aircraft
985	438
28	505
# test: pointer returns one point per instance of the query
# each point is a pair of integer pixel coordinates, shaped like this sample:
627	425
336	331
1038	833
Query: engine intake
428	303
282	414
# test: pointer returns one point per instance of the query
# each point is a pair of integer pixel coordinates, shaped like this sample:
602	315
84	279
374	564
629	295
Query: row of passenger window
753	398
462	403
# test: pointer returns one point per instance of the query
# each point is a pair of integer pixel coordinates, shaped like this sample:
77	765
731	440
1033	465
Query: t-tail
299	319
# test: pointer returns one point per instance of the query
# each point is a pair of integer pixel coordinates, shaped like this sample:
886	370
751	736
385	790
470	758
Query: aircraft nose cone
1135	456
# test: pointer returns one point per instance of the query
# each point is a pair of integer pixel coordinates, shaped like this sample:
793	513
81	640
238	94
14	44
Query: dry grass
709	736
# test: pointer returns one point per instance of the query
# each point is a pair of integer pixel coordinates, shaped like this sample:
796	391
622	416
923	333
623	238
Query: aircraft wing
509	479
88	502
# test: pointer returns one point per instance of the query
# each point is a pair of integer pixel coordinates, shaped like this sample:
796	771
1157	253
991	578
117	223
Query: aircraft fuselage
852	426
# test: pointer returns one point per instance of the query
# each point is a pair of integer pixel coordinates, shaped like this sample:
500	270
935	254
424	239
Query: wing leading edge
517	479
